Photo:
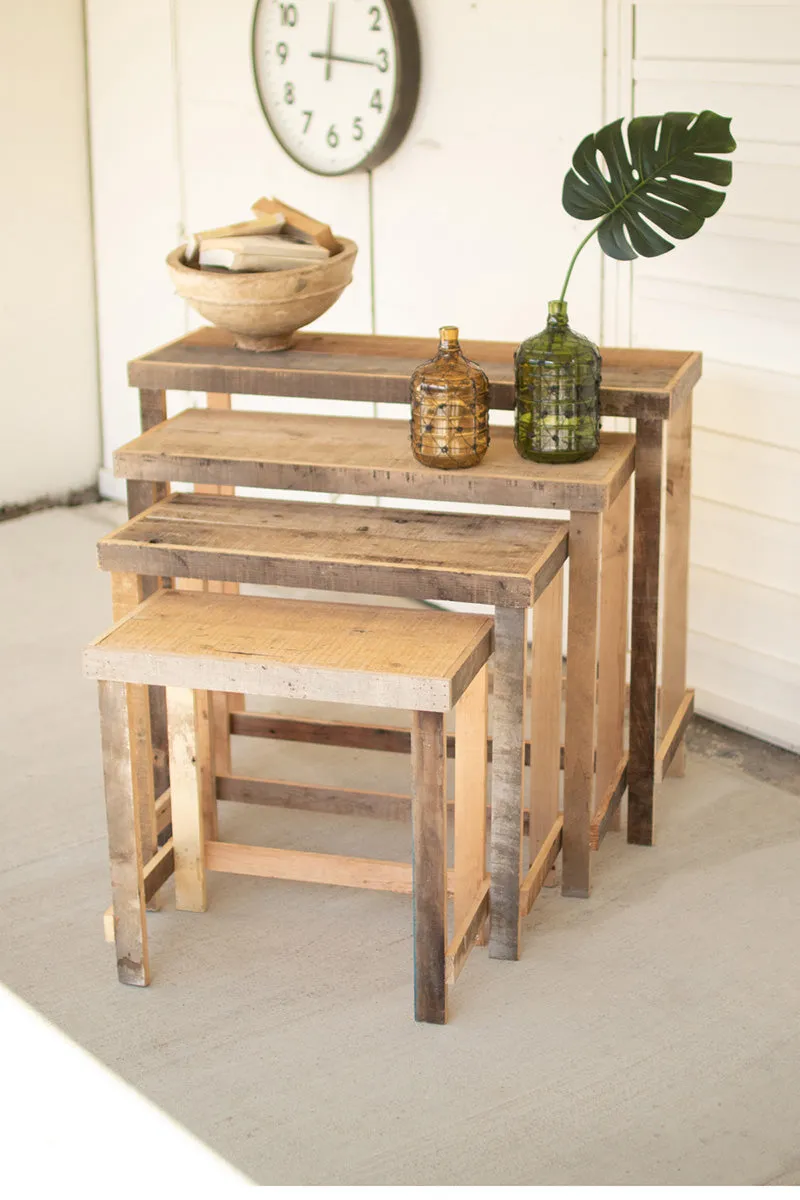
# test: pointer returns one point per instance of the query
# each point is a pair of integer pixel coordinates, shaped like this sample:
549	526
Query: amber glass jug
449	407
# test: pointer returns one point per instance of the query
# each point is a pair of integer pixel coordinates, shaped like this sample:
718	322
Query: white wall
47	335
734	293
178	139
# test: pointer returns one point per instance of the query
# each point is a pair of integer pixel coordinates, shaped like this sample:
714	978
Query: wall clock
338	80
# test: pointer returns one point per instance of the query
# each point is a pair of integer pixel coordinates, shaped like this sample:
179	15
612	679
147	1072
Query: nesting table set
185	647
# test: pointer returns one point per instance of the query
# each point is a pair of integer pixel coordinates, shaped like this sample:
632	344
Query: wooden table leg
469	853
508	778
644	630
141	494
429	822
545	716
124	845
126	595
613	650
676	572
223	703
585	538
191	780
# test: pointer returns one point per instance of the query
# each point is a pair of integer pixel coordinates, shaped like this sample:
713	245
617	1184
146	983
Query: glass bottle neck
448	340
557	314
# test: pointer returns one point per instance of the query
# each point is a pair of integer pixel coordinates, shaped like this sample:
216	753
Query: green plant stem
588	237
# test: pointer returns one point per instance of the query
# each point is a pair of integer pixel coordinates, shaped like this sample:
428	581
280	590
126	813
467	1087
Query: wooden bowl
264	309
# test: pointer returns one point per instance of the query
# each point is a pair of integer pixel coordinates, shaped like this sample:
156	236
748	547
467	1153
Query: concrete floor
649	1035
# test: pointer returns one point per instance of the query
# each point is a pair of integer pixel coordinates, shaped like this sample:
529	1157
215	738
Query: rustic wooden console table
366	457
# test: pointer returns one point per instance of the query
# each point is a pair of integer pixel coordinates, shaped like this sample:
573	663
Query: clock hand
329	50
367	62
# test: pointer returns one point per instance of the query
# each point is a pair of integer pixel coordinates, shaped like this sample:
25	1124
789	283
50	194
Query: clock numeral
308	115
288	93
288	15
358	129
332	137
383	61
376	102
282	51
375	13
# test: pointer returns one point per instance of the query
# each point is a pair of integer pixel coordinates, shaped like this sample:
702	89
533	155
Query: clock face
337	79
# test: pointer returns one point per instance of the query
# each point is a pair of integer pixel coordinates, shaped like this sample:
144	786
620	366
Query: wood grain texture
393	739
469	854
223	703
378	369
604	817
310	797
613	653
350	548
585	539
307	867
401	658
674	735
542	864
545	713
152	411
152	407
429	835
507	781
155	874
644	630
468	933
206	762
124	847
676	572
356	457
186	793
126	595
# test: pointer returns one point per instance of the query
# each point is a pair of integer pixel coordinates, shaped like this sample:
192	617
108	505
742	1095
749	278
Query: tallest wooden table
654	387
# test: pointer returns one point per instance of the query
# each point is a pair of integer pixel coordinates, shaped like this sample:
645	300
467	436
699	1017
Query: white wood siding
734	293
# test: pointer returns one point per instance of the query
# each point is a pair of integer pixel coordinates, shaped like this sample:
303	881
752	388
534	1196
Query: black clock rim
406	97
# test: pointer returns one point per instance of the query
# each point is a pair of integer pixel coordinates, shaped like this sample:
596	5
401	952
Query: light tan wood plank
402	658
186	793
469	932
608	805
378	368
307	867
469	861
124	846
345	454
673	737
585	535
126	595
676	572
507	780
611	690
545	715
542	864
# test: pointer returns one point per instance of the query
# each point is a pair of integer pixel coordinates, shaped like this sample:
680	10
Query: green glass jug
557	393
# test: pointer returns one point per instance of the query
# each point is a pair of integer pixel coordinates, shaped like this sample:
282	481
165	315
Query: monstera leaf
650	183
